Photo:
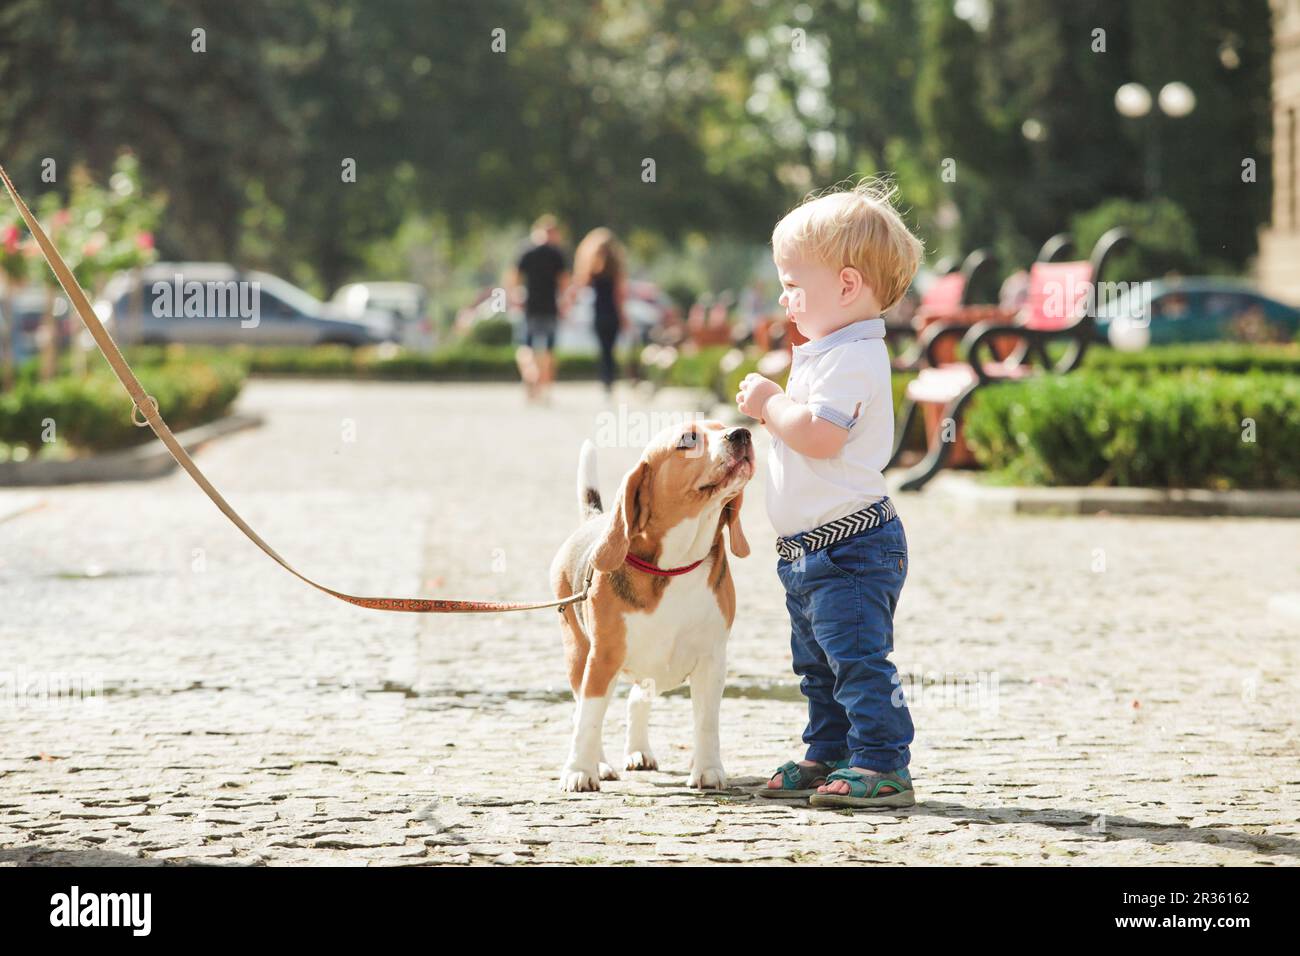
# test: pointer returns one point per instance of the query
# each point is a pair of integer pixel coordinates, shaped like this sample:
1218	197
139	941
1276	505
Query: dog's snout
739	437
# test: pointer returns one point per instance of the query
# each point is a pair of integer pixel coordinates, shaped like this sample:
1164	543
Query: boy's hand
754	392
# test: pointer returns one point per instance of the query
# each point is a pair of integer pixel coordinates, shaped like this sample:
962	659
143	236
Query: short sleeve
842	385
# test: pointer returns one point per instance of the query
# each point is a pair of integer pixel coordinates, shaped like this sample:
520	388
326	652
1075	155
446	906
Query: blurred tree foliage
743	106
1059	65
1164	240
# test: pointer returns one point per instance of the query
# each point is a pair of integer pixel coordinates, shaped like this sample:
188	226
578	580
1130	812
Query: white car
404	303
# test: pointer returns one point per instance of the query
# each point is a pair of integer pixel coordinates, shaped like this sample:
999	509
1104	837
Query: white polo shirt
844	379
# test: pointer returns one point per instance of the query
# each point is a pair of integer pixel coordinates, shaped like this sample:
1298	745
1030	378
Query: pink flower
11	239
144	240
62	217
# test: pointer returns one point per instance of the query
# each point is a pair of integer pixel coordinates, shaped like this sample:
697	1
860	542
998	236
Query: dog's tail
589	503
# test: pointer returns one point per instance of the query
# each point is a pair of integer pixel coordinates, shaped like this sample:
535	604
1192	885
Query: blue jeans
841	601
539	327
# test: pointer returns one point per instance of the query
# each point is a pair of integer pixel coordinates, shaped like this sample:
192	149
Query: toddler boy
842	259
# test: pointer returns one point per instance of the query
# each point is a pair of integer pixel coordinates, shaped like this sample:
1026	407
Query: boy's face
817	298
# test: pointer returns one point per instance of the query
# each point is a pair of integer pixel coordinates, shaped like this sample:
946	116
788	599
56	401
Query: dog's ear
627	518
739	543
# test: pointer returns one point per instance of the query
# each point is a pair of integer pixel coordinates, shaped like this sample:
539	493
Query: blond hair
599	254
856	227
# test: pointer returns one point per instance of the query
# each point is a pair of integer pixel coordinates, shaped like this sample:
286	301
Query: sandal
798	780
865	787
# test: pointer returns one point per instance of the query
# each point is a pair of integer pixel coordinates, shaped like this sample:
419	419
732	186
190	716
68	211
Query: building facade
1278	266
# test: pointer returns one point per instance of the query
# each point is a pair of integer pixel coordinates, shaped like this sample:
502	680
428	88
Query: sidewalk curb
150	460
1178	502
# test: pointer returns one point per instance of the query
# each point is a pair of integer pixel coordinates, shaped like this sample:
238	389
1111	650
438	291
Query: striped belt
872	516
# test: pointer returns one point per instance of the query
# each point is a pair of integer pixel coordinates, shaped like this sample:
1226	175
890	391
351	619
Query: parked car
406	303
213	303
29	305
1196	309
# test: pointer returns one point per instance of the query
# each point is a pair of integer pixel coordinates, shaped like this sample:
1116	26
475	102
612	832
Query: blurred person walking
600	263
543	271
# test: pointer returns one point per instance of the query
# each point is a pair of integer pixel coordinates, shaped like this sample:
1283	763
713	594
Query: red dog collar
662	572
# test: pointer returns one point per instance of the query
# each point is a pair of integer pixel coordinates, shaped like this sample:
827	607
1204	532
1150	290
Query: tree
660	120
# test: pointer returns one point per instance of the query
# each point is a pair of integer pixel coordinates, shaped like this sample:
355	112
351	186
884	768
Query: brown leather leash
148	406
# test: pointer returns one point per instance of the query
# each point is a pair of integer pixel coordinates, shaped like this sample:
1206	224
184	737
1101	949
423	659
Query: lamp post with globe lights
1133	100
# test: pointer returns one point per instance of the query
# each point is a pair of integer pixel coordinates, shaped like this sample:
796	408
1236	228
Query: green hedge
1218	356
492	332
1177	430
700	368
93	413
731	381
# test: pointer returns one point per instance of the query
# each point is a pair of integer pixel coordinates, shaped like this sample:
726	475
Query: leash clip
582	595
135	407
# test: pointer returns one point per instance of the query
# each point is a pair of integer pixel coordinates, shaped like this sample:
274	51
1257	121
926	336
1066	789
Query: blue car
1133	315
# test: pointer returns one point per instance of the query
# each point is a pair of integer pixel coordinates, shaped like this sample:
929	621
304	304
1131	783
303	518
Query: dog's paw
710	778
576	780
607	772
641	760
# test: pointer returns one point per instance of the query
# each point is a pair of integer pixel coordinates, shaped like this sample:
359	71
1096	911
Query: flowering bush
99	230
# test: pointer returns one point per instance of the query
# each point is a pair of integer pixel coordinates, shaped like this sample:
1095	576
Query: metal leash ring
135	408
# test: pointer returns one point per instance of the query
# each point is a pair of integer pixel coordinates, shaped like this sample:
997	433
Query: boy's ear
851	284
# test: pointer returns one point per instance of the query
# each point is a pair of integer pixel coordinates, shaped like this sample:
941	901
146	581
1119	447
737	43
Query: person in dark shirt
543	273
599	263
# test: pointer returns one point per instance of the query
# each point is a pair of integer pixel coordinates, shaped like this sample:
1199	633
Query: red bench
1060	307
948	302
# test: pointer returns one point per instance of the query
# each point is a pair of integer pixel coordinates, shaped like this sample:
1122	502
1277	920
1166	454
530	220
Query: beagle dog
660	601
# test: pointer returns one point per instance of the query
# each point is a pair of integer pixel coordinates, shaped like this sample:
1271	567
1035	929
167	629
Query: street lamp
1175	100
1133	100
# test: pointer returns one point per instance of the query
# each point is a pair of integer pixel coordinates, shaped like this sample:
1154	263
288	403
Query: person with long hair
600	263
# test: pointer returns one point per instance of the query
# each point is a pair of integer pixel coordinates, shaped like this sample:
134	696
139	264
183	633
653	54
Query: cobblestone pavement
1096	691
